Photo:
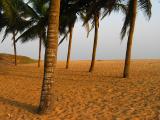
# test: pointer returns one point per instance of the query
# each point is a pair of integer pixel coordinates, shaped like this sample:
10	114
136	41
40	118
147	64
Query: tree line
49	19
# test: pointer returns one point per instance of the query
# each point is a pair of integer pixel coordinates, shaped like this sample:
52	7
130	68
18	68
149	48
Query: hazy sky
146	44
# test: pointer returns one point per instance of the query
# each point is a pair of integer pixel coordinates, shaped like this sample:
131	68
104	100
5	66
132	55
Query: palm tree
96	20
12	15
68	18
47	94
93	13
14	33
130	20
69	46
39	25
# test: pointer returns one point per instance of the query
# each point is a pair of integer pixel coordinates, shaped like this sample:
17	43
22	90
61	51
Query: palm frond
146	6
65	36
128	18
29	34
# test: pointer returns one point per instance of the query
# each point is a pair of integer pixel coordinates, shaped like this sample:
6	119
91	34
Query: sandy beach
80	95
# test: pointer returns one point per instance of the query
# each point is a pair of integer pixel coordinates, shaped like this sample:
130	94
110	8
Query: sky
146	43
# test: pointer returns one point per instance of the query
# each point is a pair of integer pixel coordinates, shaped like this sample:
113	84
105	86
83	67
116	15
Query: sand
80	95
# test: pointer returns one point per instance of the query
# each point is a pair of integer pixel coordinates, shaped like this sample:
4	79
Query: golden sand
80	95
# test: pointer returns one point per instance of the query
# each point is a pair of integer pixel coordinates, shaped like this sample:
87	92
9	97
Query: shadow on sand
27	107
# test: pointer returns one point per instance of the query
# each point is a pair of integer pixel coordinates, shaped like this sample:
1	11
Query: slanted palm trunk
96	19
69	46
40	47
130	39
47	94
15	48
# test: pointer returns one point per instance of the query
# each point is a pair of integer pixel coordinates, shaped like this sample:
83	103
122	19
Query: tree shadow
86	73
8	73
28	107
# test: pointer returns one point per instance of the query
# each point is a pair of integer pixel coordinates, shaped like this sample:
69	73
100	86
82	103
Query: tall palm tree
39	25
69	46
13	17
130	20
68	18
96	20
67	22
14	33
47	94
93	13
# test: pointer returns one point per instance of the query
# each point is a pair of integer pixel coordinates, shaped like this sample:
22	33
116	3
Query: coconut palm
13	17
38	28
13	29
14	33
96	24
145	6
47	94
68	18
69	45
93	12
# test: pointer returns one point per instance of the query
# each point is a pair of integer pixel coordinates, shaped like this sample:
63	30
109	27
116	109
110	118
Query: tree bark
15	49
40	47
69	46
47	94
96	20
130	40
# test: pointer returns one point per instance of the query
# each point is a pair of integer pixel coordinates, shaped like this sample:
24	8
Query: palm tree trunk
40	47
96	19
15	49
69	46
47	93
130	39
